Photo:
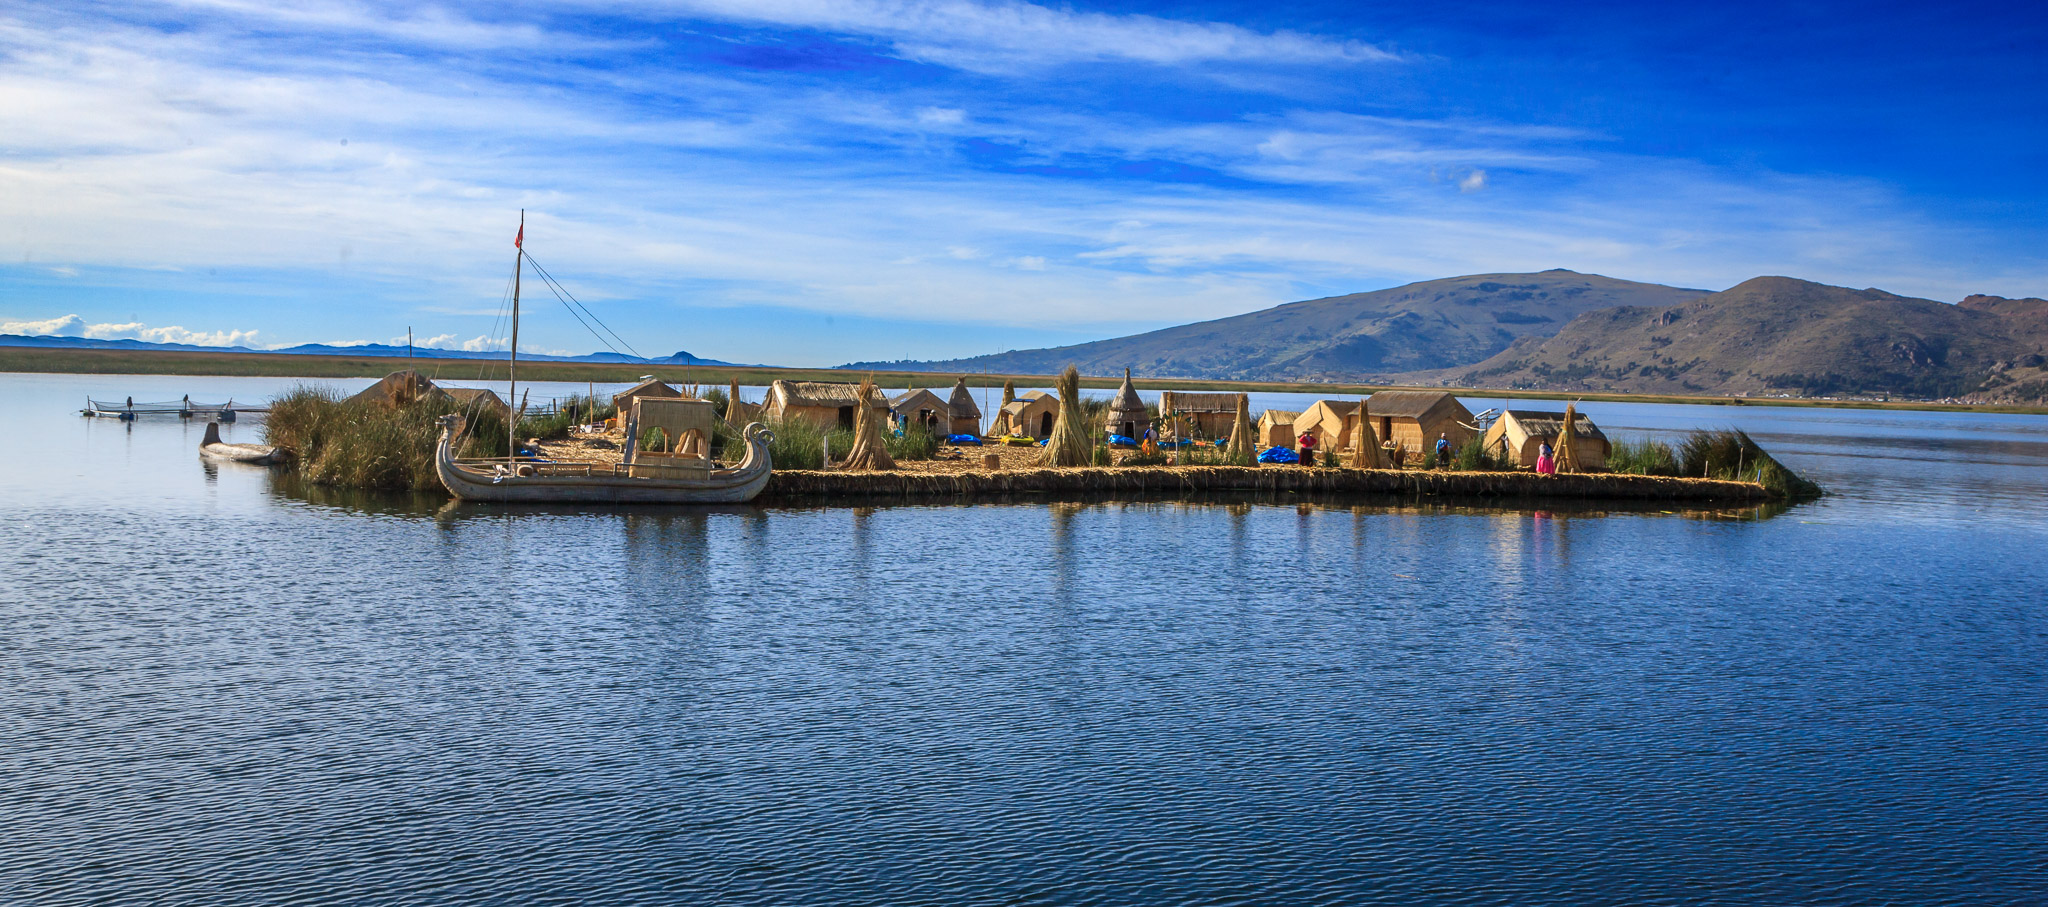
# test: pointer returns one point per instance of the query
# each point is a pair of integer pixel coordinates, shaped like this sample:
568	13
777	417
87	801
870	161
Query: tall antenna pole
512	366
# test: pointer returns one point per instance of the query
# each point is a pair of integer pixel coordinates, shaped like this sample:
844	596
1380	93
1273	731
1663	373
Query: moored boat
213	448
524	481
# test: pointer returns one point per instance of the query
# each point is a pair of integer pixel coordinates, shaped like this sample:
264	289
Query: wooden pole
512	365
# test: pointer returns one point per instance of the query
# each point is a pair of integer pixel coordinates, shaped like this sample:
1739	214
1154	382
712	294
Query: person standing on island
1443	450
1306	444
1545	465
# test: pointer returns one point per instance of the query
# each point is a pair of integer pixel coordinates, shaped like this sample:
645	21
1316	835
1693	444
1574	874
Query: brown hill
1434	324
1777	335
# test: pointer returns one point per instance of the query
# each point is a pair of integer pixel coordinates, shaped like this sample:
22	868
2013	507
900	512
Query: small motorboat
213	448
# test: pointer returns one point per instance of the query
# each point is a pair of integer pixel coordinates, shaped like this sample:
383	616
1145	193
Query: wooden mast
512	366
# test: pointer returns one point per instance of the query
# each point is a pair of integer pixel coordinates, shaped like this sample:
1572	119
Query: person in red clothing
1306	447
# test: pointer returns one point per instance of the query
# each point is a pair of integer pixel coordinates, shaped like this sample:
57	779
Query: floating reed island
851	442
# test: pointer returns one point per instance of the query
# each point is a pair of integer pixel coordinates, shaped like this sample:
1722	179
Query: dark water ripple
221	695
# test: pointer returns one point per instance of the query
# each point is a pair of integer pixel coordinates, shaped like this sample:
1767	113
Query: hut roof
1022	403
918	396
1277	416
962	401
1128	401
398	389
1186	402
1341	407
1543	424
1406	404
824	393
648	388
479	397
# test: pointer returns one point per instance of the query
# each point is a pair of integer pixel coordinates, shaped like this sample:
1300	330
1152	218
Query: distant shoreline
36	360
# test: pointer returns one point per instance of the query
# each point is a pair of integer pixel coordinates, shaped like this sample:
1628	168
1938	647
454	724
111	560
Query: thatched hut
1029	416
1520	432
825	403
1276	428
401	388
1413	420
1330	421
919	406
1198	415
1127	413
475	400
649	388
966	416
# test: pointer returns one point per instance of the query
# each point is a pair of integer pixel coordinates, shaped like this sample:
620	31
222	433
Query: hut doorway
1045	425
1130	430
846	417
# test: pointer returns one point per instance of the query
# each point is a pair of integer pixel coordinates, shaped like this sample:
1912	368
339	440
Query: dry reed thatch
868	453
1566	453
1071	442
735	411
1367	441
1244	439
1009	391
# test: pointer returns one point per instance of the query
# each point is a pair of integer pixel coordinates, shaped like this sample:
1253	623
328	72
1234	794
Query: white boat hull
715	486
213	448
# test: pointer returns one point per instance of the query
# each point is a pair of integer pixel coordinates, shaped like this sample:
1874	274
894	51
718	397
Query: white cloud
1029	262
1473	182
75	326
941	116
477	344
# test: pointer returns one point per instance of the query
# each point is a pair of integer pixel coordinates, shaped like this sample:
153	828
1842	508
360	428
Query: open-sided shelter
1521	432
648	388
1127	413
966	416
1413	420
825	403
1029	416
400	388
1276	428
685	424
919	406
1197	415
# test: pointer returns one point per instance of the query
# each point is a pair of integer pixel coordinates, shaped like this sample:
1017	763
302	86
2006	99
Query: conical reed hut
1244	439
1567	453
867	454
1366	441
1072	442
965	415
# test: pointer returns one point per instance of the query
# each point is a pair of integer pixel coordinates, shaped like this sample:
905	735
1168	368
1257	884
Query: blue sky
809	183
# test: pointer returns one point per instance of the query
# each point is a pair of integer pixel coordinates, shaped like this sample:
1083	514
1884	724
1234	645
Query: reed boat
213	448
651	480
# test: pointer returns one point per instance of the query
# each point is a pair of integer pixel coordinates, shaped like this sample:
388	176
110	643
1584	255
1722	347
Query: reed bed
332	441
1711	454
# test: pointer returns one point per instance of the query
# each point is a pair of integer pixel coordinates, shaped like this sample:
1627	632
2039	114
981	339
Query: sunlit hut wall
1127	413
1330	421
919	406
1276	428
1521	433
827	404
1414	419
965	413
1197	415
1030	416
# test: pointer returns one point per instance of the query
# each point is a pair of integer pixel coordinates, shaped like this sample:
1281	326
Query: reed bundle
868	453
1244	442
1072	443
1367	440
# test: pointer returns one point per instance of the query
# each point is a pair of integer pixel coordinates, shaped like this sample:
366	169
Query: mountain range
322	349
1564	331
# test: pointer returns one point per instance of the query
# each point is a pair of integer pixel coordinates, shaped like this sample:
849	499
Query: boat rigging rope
570	302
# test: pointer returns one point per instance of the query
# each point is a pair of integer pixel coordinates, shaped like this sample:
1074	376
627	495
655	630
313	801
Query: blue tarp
963	440
1278	455
1116	440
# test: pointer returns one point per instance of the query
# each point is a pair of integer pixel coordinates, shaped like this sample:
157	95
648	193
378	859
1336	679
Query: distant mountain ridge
1433	324
1780	335
680	357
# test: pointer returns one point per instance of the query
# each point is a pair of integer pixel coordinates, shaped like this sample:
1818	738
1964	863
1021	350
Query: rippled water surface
226	691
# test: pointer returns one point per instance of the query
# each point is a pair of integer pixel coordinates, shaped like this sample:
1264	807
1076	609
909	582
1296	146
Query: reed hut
1029	416
966	416
1127	413
1276	428
823	403
1520	432
1414	419
1330	421
649	388
477	400
919	406
401	388
1197	415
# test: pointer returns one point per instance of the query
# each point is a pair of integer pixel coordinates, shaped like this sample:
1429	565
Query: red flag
518	241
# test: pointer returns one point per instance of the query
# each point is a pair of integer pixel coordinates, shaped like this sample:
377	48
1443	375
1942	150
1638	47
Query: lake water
226	691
